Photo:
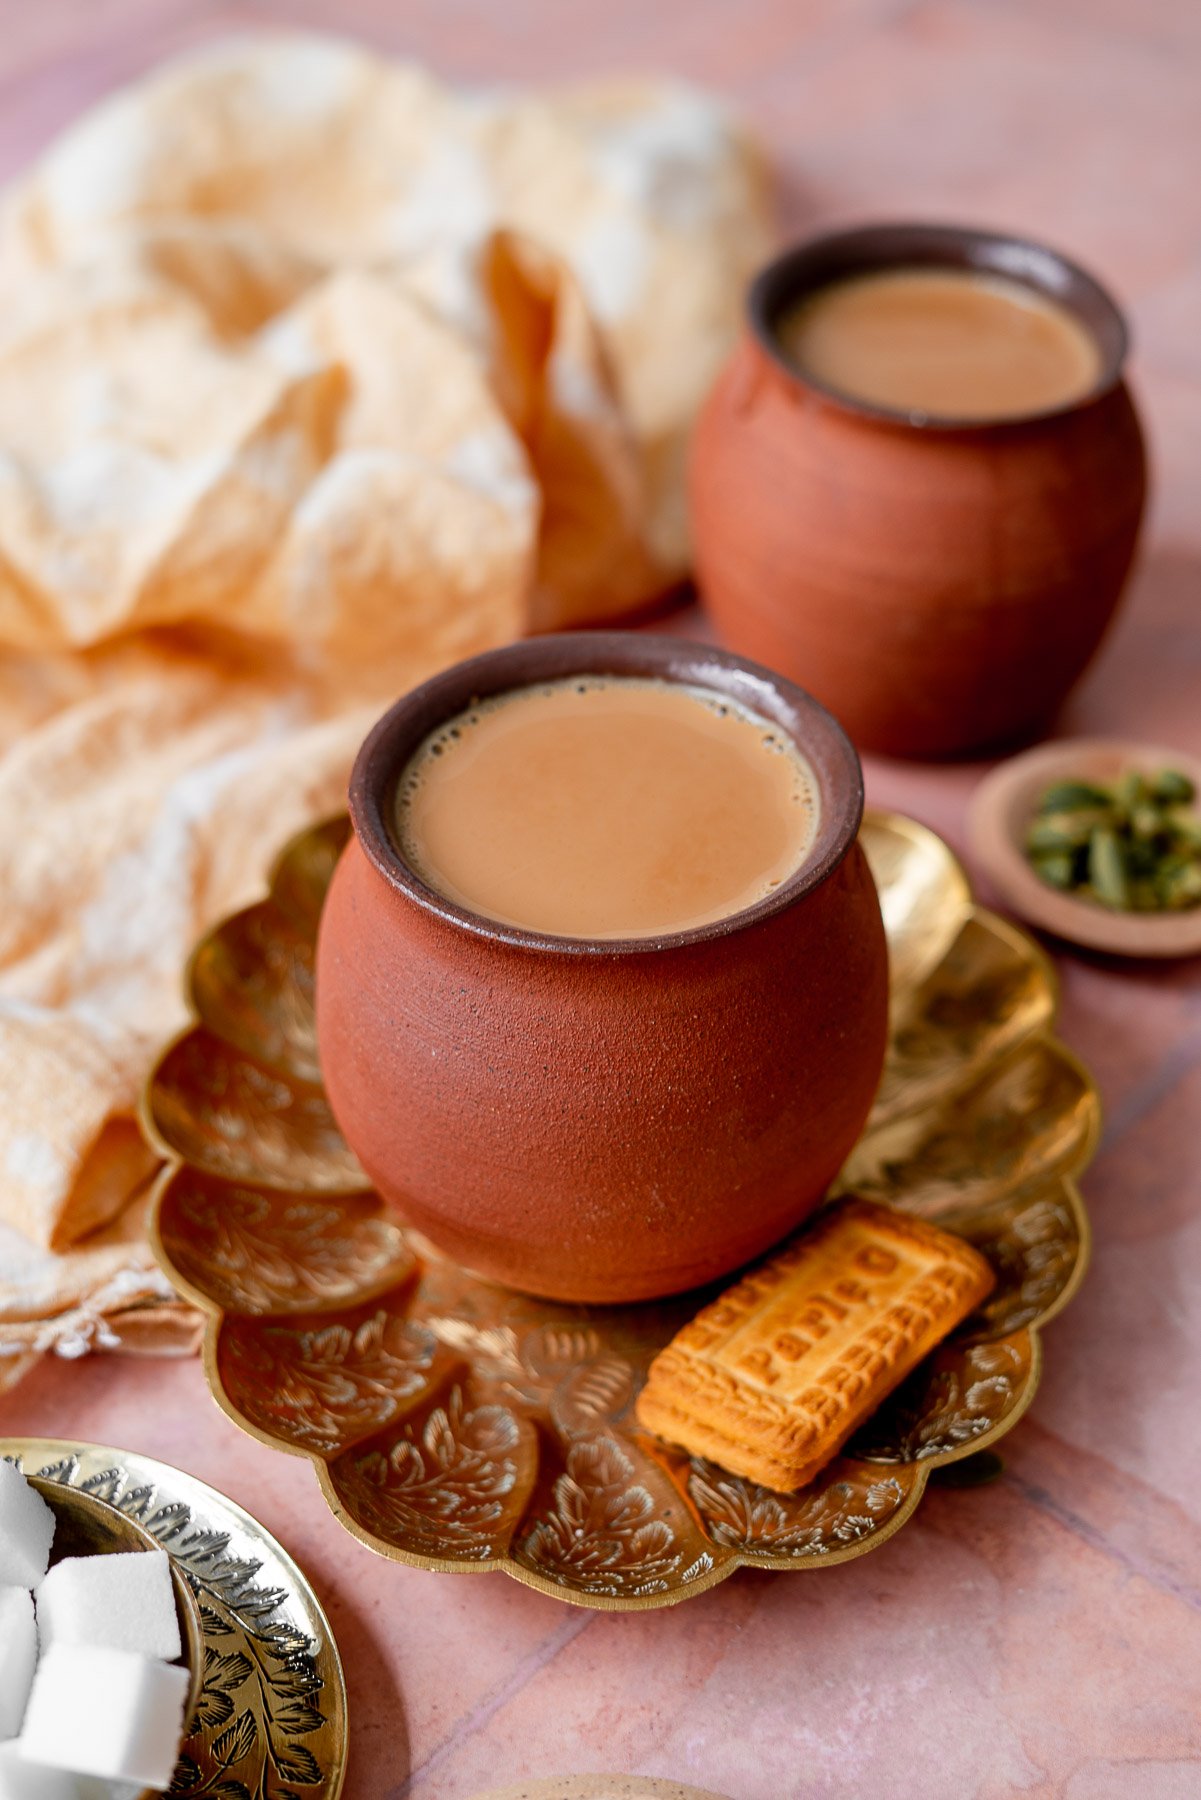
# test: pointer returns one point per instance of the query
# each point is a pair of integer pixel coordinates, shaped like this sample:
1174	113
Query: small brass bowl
86	1526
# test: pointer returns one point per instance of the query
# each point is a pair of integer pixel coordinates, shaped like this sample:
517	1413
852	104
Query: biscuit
771	1379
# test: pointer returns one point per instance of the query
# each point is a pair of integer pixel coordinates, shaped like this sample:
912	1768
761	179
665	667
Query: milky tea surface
952	343
606	807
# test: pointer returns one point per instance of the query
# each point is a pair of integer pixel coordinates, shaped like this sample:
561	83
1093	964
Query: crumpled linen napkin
314	377
112	1296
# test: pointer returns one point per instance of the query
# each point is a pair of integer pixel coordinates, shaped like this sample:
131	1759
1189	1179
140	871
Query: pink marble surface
1040	1637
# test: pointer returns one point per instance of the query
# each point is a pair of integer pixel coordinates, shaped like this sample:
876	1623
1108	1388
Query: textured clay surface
601	1127
938	591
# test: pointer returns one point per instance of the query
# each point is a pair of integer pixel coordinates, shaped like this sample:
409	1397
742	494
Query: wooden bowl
602	1120
939	585
86	1526
1001	810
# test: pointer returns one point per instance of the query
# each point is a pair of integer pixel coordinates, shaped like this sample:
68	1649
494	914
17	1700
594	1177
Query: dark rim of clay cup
816	734
821	261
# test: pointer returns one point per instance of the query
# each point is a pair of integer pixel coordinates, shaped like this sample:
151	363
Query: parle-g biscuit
772	1378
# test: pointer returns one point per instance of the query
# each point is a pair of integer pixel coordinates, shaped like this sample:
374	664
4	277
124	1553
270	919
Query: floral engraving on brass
606	1525
314	1383
272	1253
962	1396
458	1425
450	1483
848	1507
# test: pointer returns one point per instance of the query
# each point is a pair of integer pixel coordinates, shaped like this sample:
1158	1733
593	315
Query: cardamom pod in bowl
1097	841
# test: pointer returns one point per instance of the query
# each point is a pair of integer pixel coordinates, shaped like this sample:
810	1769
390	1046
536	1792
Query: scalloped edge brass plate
462	1428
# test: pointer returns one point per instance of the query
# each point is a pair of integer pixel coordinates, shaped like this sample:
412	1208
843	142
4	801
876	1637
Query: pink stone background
1040	1637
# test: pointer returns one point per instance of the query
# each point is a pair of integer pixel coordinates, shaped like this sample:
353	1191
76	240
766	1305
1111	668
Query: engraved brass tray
270	1723
460	1426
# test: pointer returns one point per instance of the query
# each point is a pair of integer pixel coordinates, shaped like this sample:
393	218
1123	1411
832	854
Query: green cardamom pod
1107	869
1184	828
1067	796
1171	788
1056	867
1131	791
1061	831
1179	885
1147	821
1133	847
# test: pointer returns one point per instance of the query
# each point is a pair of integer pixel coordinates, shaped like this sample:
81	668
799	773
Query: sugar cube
18	1654
124	1600
106	1712
21	1780
26	1530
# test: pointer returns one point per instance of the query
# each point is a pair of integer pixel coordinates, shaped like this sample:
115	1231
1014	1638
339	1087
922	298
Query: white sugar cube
124	1601
106	1712
26	1530
18	1654
21	1780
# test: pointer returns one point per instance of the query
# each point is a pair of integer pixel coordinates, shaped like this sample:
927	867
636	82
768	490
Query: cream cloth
314	376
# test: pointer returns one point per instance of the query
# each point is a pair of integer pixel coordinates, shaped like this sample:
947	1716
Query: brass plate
271	1719
460	1426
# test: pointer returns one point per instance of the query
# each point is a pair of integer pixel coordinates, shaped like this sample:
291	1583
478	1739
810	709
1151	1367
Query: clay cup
599	1120
939	585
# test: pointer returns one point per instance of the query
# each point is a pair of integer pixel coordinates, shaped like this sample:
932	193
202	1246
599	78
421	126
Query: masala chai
606	807
948	342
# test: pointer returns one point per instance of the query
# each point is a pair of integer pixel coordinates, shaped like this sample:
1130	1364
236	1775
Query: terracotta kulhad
600	1120
939	586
